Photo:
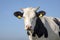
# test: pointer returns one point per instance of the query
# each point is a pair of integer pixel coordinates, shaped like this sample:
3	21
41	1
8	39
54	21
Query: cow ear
18	14
41	13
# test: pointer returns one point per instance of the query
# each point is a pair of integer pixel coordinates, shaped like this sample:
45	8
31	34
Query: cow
39	26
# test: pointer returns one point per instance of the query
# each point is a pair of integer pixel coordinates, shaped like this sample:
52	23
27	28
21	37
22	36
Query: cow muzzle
28	27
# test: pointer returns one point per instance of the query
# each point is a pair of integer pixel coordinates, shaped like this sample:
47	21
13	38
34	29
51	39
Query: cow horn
21	9
36	8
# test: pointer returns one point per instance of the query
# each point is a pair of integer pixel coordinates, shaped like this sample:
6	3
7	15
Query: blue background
12	28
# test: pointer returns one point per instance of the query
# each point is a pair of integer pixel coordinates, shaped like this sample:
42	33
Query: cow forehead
27	9
29	12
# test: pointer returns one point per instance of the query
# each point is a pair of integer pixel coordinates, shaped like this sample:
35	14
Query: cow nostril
28	27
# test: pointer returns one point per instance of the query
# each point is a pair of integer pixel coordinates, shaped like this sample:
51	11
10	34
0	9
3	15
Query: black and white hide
38	26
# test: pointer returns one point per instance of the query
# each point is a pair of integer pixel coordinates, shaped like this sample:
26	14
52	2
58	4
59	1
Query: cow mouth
29	29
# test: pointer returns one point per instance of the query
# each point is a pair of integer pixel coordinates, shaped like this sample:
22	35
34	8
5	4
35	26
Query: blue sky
13	28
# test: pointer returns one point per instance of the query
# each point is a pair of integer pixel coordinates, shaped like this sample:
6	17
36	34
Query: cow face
29	18
30	15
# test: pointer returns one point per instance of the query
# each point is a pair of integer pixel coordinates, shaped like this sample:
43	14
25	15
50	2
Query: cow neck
39	29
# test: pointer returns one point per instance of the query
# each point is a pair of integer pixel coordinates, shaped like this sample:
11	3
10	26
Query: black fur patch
39	29
59	33
28	33
57	22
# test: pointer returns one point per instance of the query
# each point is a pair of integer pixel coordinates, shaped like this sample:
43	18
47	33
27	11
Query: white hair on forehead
30	8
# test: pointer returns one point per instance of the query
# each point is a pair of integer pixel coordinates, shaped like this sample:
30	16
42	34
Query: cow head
30	15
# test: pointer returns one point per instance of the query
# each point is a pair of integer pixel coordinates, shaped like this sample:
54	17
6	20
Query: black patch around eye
39	29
